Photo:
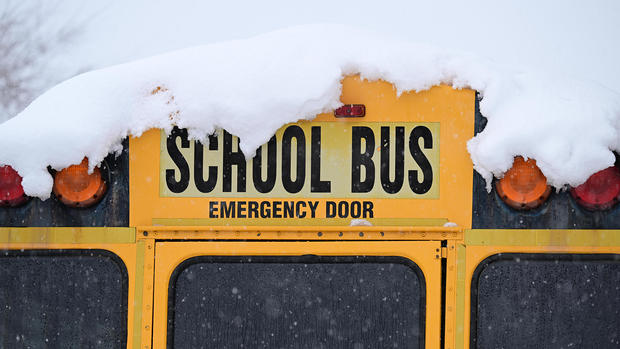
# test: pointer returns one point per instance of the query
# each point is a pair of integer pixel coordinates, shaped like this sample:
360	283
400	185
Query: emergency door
275	294
540	288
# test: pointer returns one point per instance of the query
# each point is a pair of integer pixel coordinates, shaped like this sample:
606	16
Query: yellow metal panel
324	233
542	237
424	254
450	301
403	222
62	235
147	299
126	252
460	297
452	109
137	300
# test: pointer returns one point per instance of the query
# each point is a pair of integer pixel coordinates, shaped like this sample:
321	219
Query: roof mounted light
601	191
75	187
11	190
524	186
350	111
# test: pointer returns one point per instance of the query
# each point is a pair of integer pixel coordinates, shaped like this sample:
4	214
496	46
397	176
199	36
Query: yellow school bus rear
363	228
315	188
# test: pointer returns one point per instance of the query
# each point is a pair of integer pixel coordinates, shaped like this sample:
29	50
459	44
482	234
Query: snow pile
570	127
252	87
355	222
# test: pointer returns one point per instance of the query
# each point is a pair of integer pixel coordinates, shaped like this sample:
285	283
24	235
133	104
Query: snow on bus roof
252	87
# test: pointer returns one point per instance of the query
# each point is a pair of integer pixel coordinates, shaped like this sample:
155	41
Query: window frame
479	244
424	254
304	259
74	251
564	257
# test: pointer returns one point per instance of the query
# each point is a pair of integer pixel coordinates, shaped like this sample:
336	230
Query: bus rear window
546	301
62	299
296	302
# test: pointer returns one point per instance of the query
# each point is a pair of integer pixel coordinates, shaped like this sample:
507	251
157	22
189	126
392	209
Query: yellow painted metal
450	300
423	253
137	300
53	235
147	290
459	320
127	252
299	233
482	243
403	222
542	237
453	109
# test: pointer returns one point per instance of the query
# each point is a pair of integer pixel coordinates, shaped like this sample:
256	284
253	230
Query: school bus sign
306	160
320	159
401	164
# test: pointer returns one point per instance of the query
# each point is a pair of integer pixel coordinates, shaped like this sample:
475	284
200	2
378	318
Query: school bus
363	228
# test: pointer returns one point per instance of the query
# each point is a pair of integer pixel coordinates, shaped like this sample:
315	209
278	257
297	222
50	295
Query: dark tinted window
296	303
62	299
547	301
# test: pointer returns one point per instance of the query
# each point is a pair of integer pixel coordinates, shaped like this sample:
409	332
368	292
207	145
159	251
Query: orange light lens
75	187
524	186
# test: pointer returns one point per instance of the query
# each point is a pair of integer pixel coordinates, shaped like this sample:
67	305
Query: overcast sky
579	38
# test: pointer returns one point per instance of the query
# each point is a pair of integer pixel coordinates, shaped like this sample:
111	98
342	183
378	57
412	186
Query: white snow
252	87
360	222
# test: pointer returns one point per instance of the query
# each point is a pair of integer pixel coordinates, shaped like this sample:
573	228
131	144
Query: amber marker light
524	186
75	187
601	191
11	190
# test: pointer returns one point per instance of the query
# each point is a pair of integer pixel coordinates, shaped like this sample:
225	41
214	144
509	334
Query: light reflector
524	186
601	191
350	111
11	190
75	187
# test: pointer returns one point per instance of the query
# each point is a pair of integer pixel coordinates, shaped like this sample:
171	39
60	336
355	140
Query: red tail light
11	190
350	111
600	191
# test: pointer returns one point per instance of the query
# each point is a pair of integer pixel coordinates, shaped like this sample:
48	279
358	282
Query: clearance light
11	190
601	191
524	186
350	111
75	187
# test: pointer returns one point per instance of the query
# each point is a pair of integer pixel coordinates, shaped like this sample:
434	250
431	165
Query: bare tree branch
29	39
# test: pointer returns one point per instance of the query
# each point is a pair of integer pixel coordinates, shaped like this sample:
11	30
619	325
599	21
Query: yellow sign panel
308	160
403	164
